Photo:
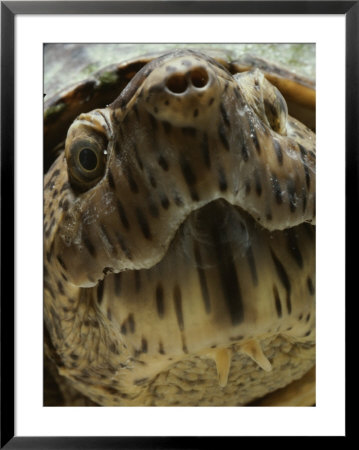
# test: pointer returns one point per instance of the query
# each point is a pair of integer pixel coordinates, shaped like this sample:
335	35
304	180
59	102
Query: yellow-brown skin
181	269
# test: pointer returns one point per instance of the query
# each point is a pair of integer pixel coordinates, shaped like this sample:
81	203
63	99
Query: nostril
177	84
199	77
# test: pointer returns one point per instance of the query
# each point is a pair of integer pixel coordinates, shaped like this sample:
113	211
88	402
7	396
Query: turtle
179	233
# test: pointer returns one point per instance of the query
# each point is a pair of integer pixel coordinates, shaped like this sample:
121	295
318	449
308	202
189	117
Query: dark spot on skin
291	195
167	103
278	305
144	226
61	262
111	181
293	248
187	172
49	185
236	338
283	276
224	115
222	137
117	283
164	201
55	174
110	390
244	150
253	136
64	277
160	301
60	288
144	345
123	329
131	323
100	287
195	113
257	184
211	100
65	205
113	348
307	318
177	298
140	381
277	190
163	163
247	187
310	286
303	153
155	109
152	181
160	348
138	159
228	276
74	356
132	183
122	214
64	187
278	151
123	246
222	180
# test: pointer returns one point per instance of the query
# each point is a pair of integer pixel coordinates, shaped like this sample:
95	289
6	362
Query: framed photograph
160	206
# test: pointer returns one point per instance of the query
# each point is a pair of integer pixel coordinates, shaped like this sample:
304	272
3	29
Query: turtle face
191	189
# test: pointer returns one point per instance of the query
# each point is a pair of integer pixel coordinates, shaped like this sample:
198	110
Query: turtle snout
184	96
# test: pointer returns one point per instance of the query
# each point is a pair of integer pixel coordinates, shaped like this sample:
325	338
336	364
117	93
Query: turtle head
182	134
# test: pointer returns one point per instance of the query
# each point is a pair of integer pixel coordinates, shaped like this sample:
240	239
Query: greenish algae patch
55	109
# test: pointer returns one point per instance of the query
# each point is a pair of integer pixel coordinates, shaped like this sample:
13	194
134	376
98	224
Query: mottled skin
180	245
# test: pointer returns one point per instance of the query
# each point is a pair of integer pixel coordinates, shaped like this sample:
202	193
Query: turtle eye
86	161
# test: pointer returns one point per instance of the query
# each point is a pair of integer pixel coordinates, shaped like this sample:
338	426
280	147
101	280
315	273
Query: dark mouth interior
219	229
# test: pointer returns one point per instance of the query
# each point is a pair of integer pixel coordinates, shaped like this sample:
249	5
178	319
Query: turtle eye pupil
88	159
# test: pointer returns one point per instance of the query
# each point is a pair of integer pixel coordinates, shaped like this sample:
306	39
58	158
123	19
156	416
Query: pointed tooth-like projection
253	349
222	358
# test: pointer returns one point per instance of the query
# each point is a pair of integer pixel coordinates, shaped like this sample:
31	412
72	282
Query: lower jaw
213	289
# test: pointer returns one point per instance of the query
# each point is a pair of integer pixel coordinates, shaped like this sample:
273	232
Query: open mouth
224	278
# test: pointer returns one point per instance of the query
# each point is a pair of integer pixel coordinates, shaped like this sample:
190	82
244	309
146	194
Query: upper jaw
160	169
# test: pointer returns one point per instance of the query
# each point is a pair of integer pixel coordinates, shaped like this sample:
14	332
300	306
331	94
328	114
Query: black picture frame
9	10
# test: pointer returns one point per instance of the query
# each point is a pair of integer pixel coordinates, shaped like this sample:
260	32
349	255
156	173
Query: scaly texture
180	241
